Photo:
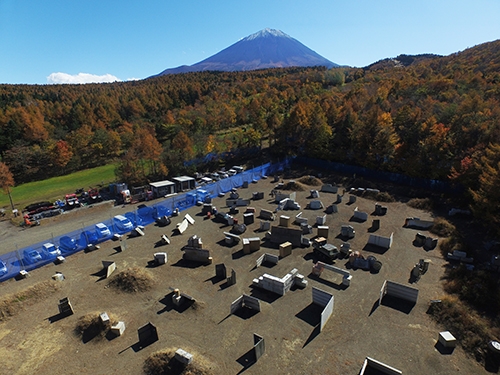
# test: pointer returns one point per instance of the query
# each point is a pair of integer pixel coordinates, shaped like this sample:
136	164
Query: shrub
421	204
472	331
90	326
163	363
442	227
10	305
311	181
132	280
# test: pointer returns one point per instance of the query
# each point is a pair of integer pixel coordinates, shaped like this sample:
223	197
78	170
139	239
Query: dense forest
431	117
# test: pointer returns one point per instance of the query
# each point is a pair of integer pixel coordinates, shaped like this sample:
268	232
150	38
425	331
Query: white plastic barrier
382	368
329	188
415	222
398	290
325	300
360	215
381	241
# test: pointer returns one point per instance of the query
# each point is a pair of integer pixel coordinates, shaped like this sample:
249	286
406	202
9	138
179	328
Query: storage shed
183	183
162	188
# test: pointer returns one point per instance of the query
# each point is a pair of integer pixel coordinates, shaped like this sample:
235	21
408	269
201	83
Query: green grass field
57	187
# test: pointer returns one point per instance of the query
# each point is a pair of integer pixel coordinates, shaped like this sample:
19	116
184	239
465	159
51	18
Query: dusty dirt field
404	339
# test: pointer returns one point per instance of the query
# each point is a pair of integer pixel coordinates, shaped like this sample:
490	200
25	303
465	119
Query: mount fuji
267	48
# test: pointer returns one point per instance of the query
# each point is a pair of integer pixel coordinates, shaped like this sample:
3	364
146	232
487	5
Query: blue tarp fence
31	257
371	174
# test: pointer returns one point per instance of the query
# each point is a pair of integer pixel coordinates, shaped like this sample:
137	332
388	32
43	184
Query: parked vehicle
72	201
3	268
31	256
68	244
94	196
50	251
238	168
102	230
122	224
325	252
231	172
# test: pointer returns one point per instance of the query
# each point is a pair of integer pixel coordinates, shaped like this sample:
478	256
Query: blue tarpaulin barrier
31	257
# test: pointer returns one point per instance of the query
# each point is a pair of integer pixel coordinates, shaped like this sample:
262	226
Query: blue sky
125	39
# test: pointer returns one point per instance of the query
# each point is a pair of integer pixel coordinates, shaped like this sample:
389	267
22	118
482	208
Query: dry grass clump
472	332
163	363
384	196
133	280
442	227
10	305
421	204
90	326
295	186
310	181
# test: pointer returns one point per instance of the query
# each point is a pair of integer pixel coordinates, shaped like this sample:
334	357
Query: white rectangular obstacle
183	357
381	241
320	266
234	238
321	220
160	258
285	221
182	226
347	231
299	219
315	205
245	301
329	188
326	300
164	240
283	234
189	219
273	259
109	267
415	222
360	215
196	255
285	249
398	290
323	231
118	328
447	339
264	226
281	196
266	214
280	285
259	346
371	364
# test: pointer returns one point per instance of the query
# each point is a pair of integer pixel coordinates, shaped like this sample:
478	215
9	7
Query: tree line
436	118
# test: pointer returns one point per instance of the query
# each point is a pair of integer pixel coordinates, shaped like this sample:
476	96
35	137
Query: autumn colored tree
60	153
486	197
6	181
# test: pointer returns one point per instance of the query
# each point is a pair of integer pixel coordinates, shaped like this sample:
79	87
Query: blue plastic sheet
94	234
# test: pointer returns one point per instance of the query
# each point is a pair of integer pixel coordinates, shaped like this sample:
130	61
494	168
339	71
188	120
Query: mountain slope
267	48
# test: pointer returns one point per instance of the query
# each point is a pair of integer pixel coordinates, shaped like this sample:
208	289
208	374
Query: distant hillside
265	49
401	61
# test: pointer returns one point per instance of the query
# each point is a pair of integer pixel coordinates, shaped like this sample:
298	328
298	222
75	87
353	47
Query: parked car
31	256
102	230
223	174
238	169
231	172
68	244
3	268
50	251
122	224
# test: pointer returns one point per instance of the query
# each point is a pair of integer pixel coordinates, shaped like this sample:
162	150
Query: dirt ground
33	341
